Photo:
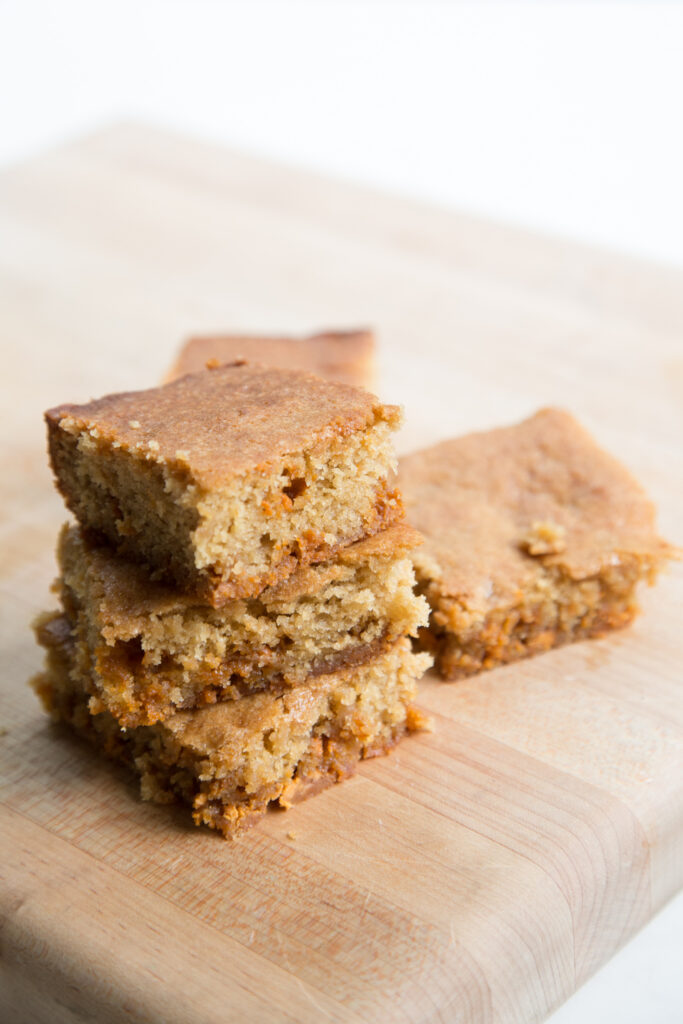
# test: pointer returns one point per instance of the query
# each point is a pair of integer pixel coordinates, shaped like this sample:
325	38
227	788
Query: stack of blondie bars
237	594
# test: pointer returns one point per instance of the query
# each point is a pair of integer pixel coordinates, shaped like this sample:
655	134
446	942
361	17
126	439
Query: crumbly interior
232	541
145	662
555	610
231	760
315	501
131	501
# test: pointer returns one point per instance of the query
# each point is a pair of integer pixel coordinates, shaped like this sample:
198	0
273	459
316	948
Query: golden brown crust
211	427
344	356
533	536
223	482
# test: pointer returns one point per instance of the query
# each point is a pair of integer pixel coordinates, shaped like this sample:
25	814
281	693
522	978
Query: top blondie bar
223	482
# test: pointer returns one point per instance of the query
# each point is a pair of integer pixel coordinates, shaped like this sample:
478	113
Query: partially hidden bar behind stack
345	356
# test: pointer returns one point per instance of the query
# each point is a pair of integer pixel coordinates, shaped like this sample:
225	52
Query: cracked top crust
214	426
495	506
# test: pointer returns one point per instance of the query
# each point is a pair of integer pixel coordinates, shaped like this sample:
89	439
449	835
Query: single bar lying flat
534	536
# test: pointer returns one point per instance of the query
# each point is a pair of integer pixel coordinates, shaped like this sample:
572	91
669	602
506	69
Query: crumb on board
291	834
418	721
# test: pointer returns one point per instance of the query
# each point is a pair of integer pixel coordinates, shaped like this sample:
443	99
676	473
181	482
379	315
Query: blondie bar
146	650
223	482
534	536
230	760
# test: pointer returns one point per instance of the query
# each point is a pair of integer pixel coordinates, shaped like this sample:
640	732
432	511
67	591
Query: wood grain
483	871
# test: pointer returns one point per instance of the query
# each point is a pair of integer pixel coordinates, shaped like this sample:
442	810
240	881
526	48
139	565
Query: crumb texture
148	650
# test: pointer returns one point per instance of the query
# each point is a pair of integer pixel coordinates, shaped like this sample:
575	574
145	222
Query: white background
566	117
562	116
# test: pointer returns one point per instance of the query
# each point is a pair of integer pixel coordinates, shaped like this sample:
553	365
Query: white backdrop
565	117
562	116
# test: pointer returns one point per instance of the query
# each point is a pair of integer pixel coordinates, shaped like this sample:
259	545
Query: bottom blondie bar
229	761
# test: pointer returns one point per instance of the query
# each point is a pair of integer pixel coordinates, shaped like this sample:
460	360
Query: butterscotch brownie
230	760
344	356
223	482
148	650
534	536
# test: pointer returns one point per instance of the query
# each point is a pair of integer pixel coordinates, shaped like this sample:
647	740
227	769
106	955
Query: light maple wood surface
481	872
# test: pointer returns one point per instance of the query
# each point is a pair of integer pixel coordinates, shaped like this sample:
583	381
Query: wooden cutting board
482	871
